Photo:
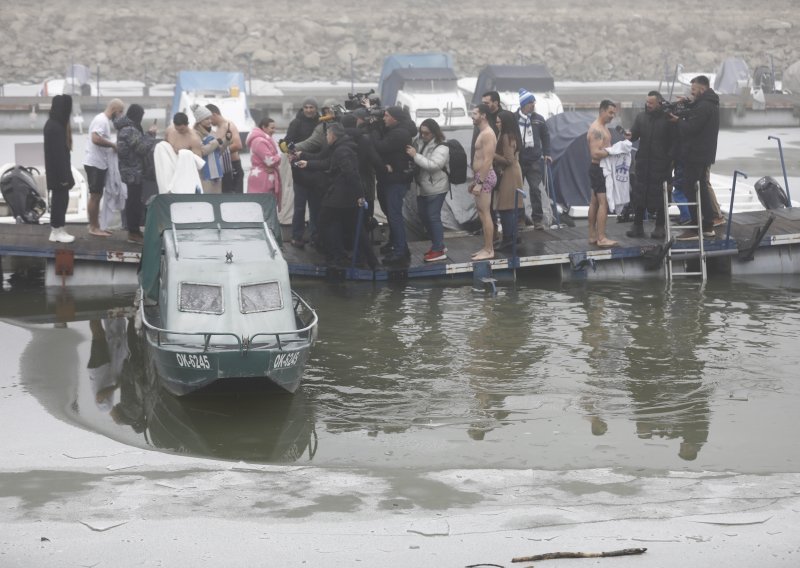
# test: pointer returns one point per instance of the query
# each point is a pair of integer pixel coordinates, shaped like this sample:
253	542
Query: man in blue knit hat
535	147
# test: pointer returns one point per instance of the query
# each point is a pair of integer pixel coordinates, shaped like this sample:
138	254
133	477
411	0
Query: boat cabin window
200	298
260	297
241	212
191	212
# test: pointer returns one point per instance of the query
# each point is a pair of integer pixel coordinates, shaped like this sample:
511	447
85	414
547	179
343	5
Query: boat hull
183	370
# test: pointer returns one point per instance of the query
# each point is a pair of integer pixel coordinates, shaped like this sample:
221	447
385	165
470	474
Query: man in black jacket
535	151
653	166
394	179
699	128
343	196
301	127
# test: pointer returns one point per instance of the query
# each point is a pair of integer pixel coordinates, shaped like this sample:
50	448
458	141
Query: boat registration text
285	360
193	361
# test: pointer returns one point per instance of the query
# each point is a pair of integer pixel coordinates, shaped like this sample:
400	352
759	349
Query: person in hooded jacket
698	129
342	198
394	179
58	168
432	157
133	149
265	161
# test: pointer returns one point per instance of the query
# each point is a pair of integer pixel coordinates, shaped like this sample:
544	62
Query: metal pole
783	167
359	223
730	208
249	75
352	76
514	261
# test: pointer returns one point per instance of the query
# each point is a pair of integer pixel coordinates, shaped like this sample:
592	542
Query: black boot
637	232
658	233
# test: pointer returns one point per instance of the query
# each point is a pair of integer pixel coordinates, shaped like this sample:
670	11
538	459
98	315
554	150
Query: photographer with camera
357	126
342	196
698	127
653	166
394	179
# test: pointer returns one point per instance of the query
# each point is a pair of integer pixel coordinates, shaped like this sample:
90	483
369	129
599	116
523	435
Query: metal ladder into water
684	255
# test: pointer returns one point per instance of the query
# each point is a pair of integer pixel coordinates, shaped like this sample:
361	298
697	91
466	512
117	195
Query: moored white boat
216	301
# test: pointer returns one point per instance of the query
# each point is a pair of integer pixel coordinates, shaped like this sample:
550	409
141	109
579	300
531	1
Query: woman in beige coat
506	163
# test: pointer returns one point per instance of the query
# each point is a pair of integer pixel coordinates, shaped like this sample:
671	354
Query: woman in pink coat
265	161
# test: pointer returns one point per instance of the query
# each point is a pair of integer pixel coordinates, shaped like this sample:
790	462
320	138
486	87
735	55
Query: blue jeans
429	208
395	193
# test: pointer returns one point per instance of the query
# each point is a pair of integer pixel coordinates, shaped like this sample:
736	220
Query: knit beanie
200	112
525	97
311	101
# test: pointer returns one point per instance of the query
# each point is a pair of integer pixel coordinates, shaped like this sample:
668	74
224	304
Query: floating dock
755	243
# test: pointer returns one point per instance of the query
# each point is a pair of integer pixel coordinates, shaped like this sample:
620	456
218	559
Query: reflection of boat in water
251	426
216	299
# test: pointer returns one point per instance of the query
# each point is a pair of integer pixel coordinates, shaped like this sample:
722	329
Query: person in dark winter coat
394	179
58	168
699	128
342	198
653	166
300	129
133	149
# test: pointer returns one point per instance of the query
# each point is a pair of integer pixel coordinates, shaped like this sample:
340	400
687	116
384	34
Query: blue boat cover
416	60
206	81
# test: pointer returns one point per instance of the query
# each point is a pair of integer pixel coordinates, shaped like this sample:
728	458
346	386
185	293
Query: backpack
457	168
21	195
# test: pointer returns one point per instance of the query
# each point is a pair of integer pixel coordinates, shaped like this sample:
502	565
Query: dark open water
543	375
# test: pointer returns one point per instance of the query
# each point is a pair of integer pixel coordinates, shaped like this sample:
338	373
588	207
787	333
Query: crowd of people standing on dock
341	163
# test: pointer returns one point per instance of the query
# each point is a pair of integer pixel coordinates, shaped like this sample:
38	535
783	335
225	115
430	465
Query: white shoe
60	235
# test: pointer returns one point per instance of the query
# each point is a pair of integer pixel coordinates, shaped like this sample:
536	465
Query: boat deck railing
244	344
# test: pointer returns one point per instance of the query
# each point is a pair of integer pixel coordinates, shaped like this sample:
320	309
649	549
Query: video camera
356	100
679	108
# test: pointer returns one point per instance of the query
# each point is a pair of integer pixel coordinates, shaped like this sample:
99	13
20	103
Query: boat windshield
261	297
200	298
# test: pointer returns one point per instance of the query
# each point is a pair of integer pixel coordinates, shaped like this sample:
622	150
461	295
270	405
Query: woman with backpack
431	157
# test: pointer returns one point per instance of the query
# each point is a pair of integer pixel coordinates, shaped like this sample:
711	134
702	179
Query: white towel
177	173
616	170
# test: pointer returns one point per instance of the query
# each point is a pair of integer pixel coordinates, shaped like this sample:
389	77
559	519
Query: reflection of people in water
503	353
604	336
665	375
109	351
130	409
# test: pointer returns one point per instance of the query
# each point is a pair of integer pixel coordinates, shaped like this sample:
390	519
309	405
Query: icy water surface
543	376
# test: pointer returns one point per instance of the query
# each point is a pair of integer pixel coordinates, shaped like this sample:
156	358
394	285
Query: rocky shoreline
280	41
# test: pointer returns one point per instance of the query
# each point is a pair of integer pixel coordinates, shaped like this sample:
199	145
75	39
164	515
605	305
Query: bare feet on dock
97	232
483	254
606	243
